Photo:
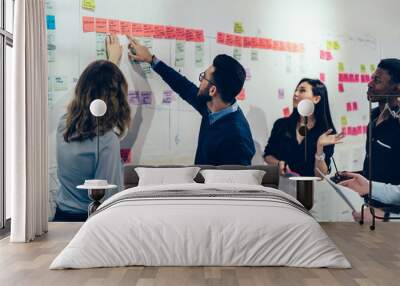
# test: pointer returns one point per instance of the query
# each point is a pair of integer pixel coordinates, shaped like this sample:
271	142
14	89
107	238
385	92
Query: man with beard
225	137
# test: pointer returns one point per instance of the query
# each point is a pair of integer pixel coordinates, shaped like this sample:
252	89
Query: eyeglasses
203	76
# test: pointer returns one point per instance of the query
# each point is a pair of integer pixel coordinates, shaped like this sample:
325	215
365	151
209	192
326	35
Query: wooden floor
374	255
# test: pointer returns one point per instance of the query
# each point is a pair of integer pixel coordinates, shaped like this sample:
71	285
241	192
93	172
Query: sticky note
247	42
126	28
148	30
114	27
238	27
372	68
238	42
60	83
322	55
286	112
145	97
356	77
346	77
341	67
51	56
133	98
180	33
343	120
281	93
189	35
51	22
180	53
329	45
336	45
285	46
341	87
220	38
254	42
199	55
351	78
254	55
237	53
51	40
322	77
365	129
328	56
340	77
248	73
198	36
89	4
167	96
137	29
229	39
349	106
88	24
159	31
344	130
170	32
241	95
101	25
355	106
126	155
363	68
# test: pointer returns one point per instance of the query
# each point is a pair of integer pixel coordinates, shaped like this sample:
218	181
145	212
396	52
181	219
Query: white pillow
166	176
248	177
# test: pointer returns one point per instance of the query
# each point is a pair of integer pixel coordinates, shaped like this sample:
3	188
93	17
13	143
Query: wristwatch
320	157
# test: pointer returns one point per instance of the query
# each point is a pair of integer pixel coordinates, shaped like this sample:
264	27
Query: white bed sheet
200	232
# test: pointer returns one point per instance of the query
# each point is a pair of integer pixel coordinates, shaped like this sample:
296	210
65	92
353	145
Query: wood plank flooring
374	255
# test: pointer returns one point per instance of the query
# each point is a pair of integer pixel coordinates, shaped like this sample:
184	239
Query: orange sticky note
220	38
101	25
88	24
148	30
254	42
229	39
114	26
126	28
137	29
341	87
189	35
180	33
199	36
159	32
247	42
238	41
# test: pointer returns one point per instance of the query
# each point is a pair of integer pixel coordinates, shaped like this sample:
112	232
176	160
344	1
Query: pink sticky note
126	28
341	87
349	106
101	25
328	56
199	36
238	41
220	38
351	78
170	32
344	130
229	39
88	24
286	112
247	42
263	43
367	78
159	31
355	106
189	34
281	93
357	78
114	27
322	76
180	33
365	129
359	130
341	77
346	77
322	55
241	95
137	29
275	45
148	30
254	42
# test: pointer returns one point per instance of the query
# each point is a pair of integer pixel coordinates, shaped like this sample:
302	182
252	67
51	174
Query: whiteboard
351	33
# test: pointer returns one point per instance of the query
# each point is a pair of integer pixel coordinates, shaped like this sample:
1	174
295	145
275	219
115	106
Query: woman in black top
286	146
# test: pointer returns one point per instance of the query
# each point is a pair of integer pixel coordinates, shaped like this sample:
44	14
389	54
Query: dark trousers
66	216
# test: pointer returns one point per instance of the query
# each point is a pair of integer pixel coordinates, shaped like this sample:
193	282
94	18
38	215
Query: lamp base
96	195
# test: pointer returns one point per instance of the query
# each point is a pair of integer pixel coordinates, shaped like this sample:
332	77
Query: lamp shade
98	107
305	107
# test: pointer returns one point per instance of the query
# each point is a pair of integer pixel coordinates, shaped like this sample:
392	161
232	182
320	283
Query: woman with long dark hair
287	145
76	138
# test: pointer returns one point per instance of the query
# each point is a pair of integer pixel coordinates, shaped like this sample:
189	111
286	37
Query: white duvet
200	231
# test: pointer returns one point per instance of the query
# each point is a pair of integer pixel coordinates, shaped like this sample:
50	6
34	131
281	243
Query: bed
198	224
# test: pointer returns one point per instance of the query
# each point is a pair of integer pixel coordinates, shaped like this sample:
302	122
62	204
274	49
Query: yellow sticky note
336	45
343	120
329	45
89	4
363	69
341	67
238	27
372	68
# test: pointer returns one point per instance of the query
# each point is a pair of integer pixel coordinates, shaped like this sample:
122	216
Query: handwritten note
88	24
180	54
238	27
101	25
89	4
199	55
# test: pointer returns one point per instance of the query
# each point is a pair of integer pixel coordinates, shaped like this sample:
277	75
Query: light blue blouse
77	162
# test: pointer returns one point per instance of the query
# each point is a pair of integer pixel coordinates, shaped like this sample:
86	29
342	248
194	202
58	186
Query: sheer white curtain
26	124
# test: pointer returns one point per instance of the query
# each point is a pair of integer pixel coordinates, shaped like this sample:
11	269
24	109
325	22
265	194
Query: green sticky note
363	68
89	4
372	68
238	27
343	120
237	53
60	83
180	54
254	55
329	45
199	55
341	67
336	45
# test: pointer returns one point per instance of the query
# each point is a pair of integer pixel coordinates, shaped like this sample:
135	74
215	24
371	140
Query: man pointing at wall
225	137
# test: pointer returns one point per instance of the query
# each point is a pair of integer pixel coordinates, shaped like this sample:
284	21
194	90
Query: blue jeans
66	216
